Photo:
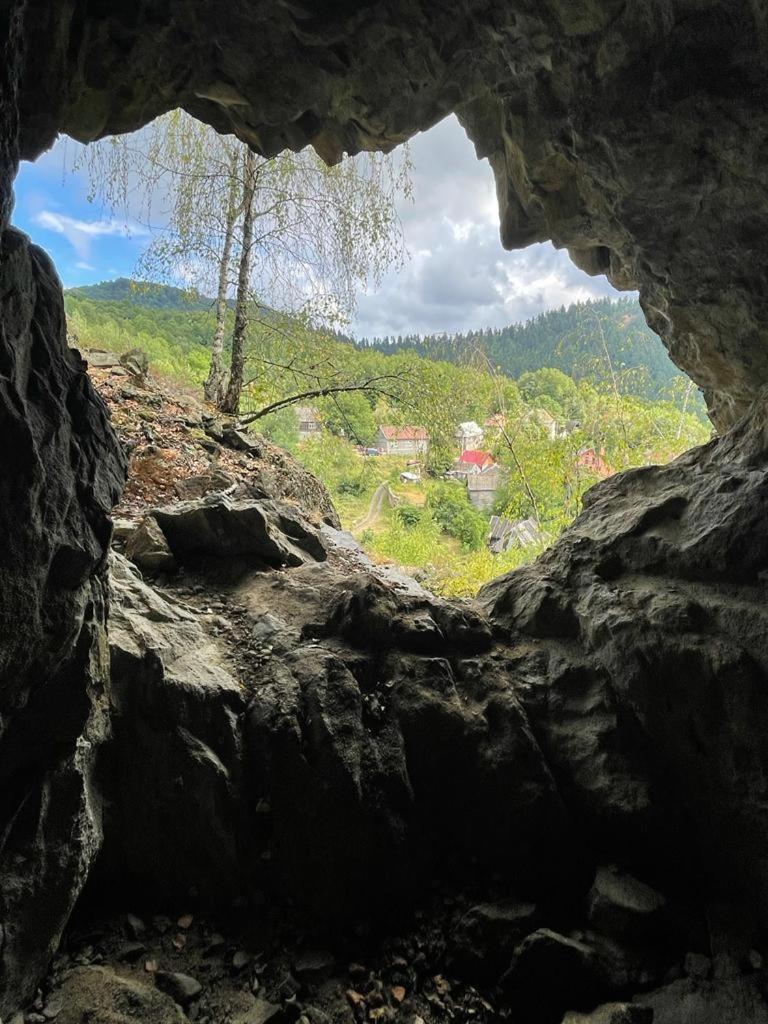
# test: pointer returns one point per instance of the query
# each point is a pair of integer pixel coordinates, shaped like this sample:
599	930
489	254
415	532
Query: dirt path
381	496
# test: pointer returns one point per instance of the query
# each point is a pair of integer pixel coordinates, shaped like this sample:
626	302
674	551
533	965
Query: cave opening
567	774
529	379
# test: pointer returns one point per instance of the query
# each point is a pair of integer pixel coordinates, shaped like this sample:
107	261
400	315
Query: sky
457	277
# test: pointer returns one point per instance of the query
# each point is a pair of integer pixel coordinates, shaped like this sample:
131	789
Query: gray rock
62	473
135	926
726	1001
662	572
131	952
197	486
147	547
136	362
481	945
175	716
627	909
182	988
314	964
551	973
98	994
101	358
241	440
122	529
217	526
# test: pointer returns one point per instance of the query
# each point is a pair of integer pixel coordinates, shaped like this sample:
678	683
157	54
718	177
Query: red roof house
473	457
402	440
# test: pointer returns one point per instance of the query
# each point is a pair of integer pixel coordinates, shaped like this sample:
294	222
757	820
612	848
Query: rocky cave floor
243	579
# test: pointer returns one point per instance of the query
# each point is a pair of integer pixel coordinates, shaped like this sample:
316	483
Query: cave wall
62	470
633	133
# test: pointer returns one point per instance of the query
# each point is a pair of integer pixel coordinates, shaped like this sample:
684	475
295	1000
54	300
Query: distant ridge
146	294
574	339
605	340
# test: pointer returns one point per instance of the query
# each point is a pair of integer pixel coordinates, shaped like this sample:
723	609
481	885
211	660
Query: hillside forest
559	402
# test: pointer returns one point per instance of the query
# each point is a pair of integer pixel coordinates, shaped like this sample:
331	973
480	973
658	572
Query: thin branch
336	389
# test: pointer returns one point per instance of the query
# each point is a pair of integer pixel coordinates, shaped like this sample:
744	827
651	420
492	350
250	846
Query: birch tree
277	241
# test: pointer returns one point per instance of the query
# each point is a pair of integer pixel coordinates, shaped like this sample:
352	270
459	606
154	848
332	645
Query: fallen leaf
150	966
185	921
179	941
398	992
356	998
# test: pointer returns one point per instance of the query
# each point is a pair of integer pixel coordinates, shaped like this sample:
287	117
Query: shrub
451	508
409	515
351	487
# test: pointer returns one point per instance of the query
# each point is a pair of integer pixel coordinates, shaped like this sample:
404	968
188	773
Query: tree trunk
231	400
214	385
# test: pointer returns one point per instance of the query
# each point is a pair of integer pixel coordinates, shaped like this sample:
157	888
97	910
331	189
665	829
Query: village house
593	462
402	440
482	487
555	431
481	474
309	421
469	435
471	462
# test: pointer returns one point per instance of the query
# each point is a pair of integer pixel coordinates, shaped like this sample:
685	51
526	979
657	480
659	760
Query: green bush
451	508
409	515
352	487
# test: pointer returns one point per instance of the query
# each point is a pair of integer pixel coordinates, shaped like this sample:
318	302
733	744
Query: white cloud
459	277
82	265
80	233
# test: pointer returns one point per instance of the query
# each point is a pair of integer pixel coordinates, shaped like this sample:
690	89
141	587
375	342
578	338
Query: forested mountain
145	294
605	340
596	339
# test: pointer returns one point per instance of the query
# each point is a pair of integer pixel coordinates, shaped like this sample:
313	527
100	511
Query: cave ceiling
634	134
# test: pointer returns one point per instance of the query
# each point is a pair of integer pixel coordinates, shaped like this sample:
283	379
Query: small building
506	534
593	462
402	440
555	431
309	421
469	435
482	487
472	462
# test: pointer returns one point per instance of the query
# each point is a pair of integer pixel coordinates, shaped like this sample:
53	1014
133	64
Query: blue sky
458	277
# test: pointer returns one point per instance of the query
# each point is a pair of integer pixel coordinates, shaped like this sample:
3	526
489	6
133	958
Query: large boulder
645	681
99	994
147	547
218	526
550	973
416	746
483	941
172	772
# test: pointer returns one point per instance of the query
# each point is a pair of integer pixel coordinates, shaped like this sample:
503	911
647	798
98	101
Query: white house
469	435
